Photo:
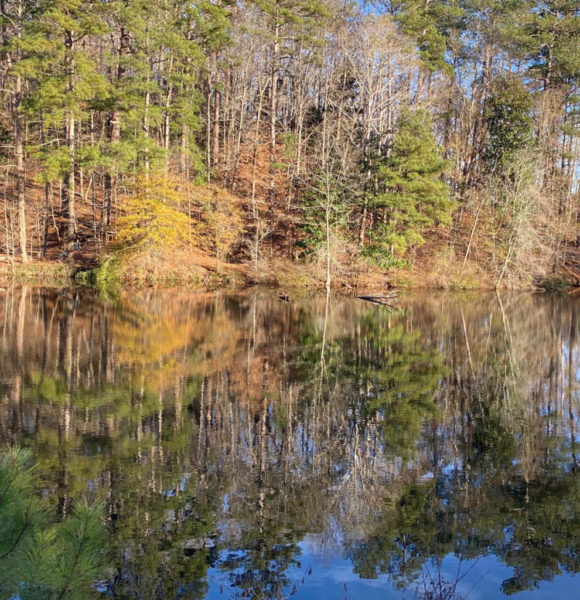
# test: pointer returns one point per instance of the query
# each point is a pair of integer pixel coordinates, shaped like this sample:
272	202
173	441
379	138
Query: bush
377	255
554	285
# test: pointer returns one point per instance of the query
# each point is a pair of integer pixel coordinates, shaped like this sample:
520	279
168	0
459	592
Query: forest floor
192	267
436	265
439	264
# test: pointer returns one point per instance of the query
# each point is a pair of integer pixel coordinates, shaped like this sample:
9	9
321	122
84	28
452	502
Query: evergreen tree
15	19
508	116
550	39
413	193
430	24
39	558
68	85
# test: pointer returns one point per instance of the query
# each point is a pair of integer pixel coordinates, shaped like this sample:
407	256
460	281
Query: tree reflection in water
223	431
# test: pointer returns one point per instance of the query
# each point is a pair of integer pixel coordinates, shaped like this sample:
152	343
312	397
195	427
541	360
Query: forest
308	140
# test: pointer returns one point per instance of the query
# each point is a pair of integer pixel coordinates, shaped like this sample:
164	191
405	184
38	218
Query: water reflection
237	440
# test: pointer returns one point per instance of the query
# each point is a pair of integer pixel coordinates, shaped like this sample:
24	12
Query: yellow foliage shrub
152	217
162	213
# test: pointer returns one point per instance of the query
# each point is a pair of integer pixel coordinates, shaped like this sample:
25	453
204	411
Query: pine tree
135	80
430	24
68	83
413	193
40	558
550	39
15	18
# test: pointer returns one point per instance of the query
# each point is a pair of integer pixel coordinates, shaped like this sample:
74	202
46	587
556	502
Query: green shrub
554	285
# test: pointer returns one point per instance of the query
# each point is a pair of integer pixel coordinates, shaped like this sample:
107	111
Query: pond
323	447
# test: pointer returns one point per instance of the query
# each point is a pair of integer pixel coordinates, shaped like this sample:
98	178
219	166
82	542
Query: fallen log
389	299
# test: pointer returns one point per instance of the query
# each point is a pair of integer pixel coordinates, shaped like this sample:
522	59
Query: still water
320	448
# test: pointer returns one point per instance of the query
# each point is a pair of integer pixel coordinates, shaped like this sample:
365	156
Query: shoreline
277	275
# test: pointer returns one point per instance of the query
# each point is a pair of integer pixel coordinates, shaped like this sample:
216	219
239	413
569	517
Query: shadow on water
247	447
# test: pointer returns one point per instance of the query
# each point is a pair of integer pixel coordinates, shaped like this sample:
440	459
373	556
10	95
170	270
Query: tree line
326	125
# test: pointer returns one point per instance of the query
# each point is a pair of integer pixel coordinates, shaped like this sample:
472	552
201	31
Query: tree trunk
208	128
273	106
114	127
68	184
216	128
110	181
183	149
167	116
20	172
146	130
